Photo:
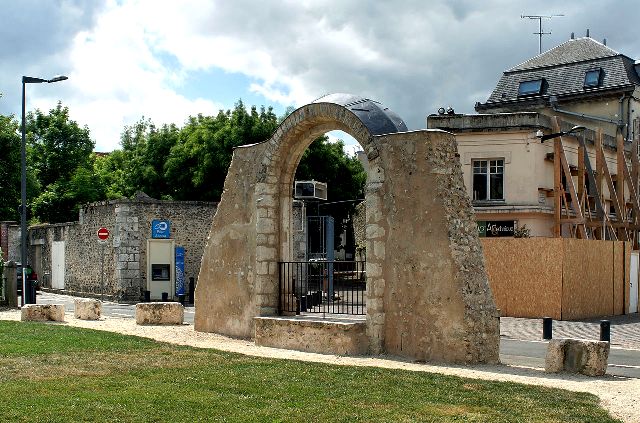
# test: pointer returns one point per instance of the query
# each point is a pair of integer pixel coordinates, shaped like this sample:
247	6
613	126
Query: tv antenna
540	32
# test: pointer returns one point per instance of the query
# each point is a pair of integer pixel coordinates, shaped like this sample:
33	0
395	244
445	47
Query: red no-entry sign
103	234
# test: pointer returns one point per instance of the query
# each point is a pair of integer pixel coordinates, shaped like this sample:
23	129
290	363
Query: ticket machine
161	268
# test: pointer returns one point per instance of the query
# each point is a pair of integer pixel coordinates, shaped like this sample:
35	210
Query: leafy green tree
145	149
198	163
9	168
59	156
345	177
111	171
327	162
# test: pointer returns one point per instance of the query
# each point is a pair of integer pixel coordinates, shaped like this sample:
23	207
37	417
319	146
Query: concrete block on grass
577	356
159	313
42	312
87	309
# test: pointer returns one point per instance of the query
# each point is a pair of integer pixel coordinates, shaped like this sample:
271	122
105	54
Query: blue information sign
179	270
160	228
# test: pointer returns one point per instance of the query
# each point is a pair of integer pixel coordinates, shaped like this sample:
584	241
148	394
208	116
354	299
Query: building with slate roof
582	80
511	176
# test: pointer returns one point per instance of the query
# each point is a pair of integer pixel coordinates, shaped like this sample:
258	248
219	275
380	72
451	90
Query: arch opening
427	292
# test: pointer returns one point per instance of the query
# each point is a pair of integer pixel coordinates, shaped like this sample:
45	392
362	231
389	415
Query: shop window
488	180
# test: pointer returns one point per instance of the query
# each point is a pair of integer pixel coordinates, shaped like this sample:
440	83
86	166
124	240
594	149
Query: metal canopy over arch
375	116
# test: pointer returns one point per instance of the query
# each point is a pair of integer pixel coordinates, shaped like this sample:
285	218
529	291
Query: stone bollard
87	309
160	313
577	356
42	312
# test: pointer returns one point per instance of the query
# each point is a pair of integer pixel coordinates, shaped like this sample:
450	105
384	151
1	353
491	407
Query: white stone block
160	313
42	312
577	356
87	309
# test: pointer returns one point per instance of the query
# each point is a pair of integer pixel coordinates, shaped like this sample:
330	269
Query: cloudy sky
166	60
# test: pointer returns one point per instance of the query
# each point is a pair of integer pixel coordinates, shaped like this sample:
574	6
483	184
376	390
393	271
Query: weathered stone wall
427	291
129	222
225	298
359	222
342	338
299	231
13	243
80	258
4	238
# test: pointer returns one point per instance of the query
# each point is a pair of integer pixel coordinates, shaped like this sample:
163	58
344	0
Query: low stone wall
577	356
325	337
162	313
87	309
42	312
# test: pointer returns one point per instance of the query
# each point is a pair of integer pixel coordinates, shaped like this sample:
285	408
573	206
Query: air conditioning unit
310	190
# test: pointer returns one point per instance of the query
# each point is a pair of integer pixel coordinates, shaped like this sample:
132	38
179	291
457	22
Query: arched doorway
427	292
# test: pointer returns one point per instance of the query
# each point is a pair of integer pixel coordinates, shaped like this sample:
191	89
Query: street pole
102	271
26	293
23	200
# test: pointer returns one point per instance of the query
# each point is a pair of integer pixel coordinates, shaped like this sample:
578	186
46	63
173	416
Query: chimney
587	32
604	41
573	36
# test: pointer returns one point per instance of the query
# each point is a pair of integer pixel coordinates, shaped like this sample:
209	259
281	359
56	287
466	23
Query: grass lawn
55	373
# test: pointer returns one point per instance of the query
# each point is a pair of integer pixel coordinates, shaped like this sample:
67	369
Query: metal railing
327	287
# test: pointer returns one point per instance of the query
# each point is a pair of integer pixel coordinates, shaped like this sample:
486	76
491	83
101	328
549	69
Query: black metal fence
328	287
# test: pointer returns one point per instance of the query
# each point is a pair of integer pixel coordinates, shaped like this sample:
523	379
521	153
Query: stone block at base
325	337
162	313
42	312
87	309
577	356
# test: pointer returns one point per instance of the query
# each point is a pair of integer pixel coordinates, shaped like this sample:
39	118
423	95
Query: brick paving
625	330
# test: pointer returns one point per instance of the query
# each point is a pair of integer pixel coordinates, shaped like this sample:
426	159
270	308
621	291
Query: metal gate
320	286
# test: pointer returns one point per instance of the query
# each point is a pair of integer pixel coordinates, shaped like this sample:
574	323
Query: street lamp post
543	138
26	293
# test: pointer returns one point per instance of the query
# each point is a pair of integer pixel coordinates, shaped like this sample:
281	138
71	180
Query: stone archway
427	292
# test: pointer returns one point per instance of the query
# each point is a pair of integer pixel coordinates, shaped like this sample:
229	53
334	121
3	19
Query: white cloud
130	58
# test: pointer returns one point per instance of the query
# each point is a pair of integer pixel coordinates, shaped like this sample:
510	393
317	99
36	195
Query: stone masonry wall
129	222
190	223
428	292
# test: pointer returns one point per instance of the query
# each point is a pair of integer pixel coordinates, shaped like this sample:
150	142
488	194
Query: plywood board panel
621	281
587	288
493	264
525	275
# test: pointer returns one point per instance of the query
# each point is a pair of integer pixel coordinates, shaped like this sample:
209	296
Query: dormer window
592	78
530	87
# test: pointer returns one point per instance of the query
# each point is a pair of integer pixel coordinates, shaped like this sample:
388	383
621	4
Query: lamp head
58	78
576	128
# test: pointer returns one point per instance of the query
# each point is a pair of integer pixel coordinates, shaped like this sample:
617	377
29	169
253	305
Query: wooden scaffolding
580	207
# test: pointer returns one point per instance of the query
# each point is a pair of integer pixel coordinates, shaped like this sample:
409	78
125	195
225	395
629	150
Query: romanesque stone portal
428	297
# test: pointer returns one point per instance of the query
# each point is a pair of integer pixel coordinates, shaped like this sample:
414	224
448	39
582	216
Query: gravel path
620	396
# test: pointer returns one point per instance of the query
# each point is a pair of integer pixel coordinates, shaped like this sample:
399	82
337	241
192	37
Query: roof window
592	78
530	87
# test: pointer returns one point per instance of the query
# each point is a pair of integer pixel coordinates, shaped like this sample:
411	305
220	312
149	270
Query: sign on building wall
496	228
160	229
180	279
